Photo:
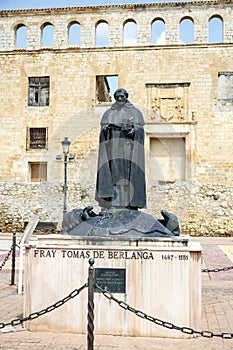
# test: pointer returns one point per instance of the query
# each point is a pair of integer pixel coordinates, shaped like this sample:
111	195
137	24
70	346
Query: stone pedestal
162	279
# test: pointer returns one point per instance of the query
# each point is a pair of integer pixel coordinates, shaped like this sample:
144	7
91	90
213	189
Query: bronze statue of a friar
121	165
120	183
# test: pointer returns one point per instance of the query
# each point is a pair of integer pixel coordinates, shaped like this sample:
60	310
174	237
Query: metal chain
169	325
218	269
6	258
48	309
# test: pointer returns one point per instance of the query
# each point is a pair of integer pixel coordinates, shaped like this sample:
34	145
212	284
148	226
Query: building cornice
216	46
115	7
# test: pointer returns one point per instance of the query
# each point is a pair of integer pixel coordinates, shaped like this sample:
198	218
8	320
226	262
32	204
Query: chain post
90	315
13	259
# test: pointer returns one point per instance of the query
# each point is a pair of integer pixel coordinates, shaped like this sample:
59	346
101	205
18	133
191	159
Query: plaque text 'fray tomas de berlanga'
100	254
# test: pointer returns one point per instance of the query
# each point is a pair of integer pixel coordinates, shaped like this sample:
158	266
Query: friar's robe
121	164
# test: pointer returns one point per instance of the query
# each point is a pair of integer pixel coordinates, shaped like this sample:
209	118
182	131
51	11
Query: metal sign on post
111	280
24	240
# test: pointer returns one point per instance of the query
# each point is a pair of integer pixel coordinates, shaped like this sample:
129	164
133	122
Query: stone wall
201	209
72	111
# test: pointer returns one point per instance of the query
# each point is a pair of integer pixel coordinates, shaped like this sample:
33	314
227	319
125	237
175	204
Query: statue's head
121	96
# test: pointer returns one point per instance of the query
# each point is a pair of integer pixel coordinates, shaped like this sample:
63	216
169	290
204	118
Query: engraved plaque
111	280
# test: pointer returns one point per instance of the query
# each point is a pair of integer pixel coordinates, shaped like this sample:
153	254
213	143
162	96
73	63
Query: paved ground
217	312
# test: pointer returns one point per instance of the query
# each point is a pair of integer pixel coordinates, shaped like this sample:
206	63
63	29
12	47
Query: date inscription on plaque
111	280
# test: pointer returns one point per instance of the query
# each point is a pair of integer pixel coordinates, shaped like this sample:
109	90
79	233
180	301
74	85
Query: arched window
21	36
130	33
101	34
47	34
74	33
215	33
186	31
158	32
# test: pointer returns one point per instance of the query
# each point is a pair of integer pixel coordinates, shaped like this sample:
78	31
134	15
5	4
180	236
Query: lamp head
65	146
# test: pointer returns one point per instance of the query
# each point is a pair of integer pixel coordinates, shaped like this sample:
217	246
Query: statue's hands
131	132
128	129
106	129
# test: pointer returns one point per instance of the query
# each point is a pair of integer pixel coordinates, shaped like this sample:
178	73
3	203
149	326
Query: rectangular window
167	159
38	171
105	88
225	87
38	91
37	138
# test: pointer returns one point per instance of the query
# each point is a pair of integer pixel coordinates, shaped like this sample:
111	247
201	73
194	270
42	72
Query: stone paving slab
215	257
228	251
217	314
27	341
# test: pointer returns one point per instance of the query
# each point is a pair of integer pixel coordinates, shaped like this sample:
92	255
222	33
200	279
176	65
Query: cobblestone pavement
217	315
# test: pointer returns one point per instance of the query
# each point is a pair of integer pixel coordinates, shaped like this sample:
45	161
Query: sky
26	4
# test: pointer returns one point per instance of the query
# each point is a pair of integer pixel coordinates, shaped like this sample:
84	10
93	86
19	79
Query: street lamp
65	147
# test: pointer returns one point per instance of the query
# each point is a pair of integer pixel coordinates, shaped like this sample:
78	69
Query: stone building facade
184	90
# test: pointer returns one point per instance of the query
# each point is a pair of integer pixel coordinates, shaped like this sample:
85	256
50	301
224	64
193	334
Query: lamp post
65	147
